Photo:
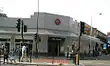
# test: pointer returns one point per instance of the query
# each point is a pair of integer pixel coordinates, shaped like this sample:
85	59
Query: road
35	65
14	65
97	65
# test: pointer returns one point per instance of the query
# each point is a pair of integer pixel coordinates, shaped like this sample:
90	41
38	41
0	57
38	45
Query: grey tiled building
56	32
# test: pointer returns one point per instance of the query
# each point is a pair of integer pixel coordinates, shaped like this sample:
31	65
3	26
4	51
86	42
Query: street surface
83	62
95	62
97	65
15	65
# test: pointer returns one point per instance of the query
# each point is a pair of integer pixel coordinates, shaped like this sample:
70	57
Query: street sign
57	21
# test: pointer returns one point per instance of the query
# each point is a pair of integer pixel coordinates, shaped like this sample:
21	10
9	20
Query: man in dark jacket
19	53
5	54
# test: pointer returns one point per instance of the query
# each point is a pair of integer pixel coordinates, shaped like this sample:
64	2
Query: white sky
80	10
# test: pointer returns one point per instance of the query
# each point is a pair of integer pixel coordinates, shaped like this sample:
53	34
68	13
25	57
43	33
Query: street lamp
91	32
37	27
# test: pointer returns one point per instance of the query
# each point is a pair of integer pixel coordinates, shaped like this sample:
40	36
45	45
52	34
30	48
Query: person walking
24	53
19	53
5	54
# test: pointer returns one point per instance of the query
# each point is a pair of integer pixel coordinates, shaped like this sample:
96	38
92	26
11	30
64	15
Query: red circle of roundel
57	21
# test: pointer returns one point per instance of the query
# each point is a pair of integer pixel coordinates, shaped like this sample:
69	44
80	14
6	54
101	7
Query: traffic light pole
21	27
79	47
22	35
79	39
37	30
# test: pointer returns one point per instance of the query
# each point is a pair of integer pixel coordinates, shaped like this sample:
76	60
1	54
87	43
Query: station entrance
54	44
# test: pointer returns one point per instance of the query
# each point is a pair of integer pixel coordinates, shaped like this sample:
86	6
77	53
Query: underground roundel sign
57	21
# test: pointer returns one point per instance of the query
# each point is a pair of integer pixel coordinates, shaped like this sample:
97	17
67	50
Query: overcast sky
80	10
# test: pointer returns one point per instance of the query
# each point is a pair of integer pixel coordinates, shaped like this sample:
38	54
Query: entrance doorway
8	46
54	44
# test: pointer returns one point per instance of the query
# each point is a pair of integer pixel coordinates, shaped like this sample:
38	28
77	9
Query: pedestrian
12	56
67	52
2	49
74	57
30	55
24	53
5	54
19	53
27	51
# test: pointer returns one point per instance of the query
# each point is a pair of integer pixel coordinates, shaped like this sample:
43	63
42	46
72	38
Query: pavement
95	62
42	62
48	61
82	63
97	65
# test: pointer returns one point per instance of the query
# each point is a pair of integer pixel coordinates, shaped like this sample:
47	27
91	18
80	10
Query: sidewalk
43	62
48	61
39	63
95	62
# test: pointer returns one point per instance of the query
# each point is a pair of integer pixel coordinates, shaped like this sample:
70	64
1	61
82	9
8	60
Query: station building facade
57	32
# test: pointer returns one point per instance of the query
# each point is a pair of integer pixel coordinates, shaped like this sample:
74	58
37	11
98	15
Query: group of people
24	52
5	53
21	52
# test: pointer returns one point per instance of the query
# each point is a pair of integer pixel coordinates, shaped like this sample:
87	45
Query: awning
43	32
25	37
73	35
87	37
5	36
60	33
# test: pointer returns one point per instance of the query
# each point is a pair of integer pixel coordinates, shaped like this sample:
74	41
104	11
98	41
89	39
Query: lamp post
37	28
91	29
90	37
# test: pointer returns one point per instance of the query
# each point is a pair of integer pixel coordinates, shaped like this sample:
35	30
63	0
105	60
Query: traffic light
35	36
25	28
86	29
82	26
18	24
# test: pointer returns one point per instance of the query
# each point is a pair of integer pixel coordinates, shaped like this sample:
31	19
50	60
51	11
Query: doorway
54	44
8	46
53	48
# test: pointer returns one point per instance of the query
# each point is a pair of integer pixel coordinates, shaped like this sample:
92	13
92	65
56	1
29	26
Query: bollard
77	59
60	64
